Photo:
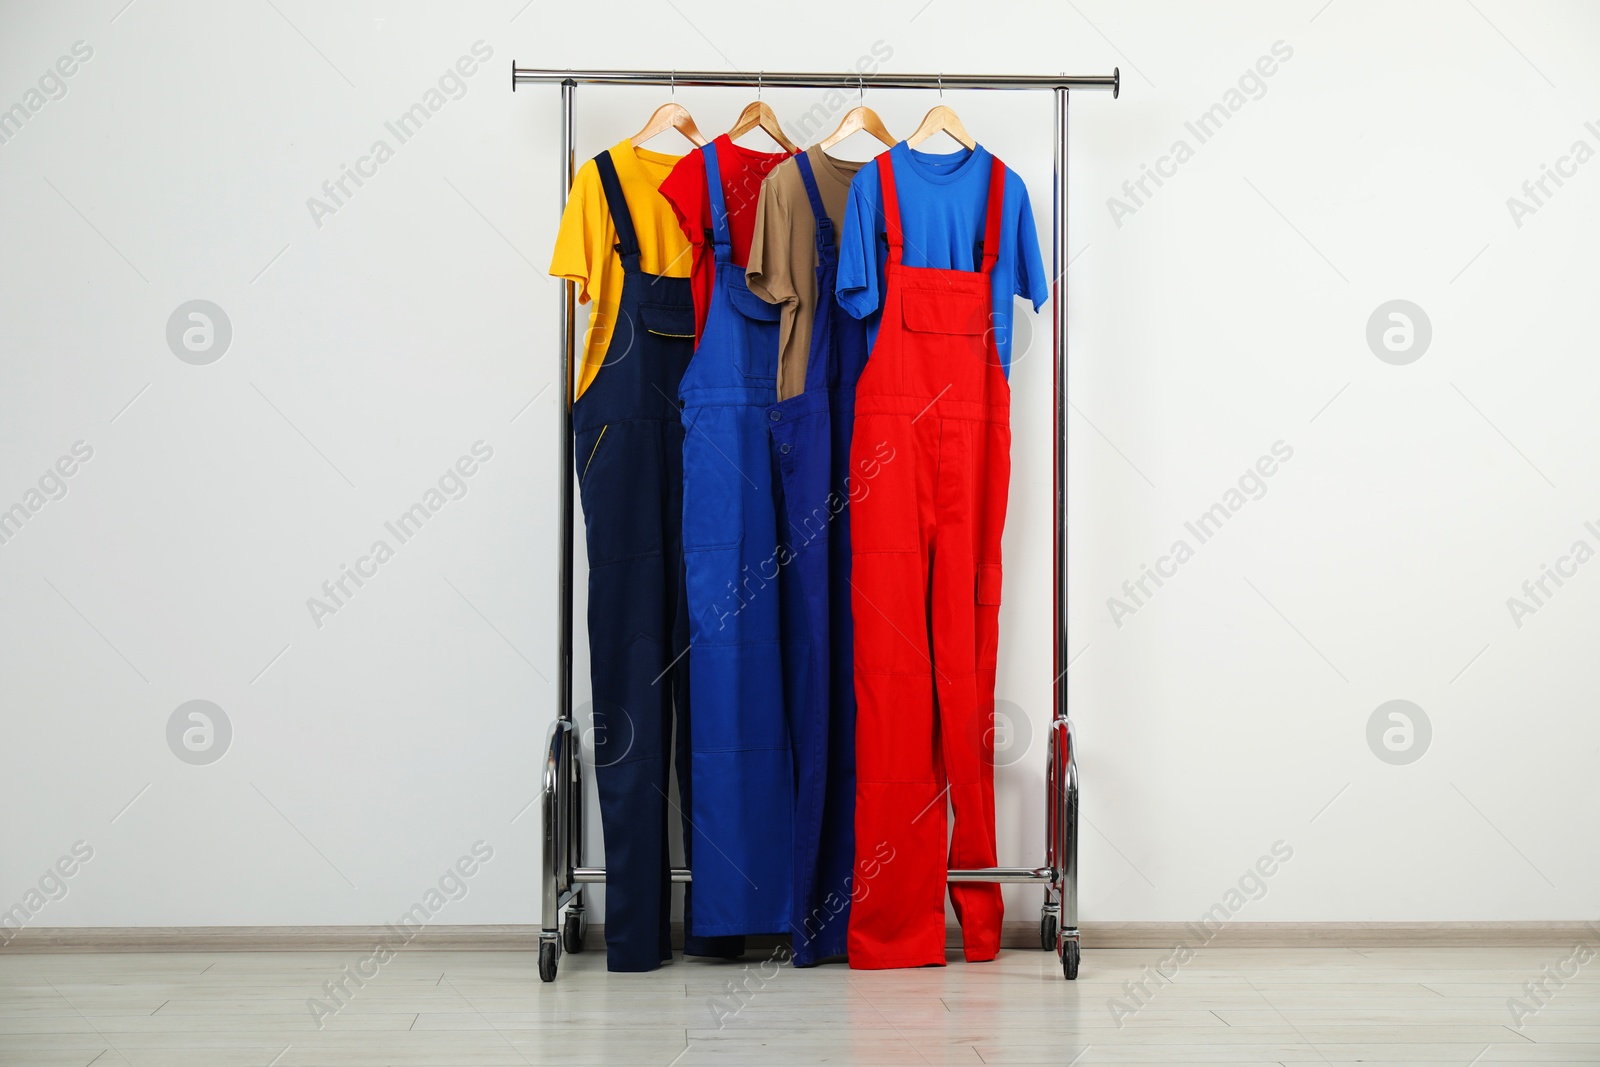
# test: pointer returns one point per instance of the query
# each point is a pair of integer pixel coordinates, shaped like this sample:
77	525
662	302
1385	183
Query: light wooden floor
452	1009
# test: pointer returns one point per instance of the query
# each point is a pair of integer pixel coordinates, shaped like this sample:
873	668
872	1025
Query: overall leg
743	802
965	716
836	860
620	469
897	911
678	678
800	437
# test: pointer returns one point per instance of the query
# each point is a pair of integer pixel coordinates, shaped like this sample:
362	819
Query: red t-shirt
685	188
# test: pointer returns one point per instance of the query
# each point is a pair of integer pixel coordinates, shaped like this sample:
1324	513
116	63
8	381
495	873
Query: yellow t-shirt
586	243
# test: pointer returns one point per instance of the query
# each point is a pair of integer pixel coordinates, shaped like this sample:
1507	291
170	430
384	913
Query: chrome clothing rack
564	874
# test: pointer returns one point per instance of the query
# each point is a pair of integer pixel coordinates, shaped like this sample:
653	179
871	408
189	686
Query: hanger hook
861	87
941	85
674	84
760	74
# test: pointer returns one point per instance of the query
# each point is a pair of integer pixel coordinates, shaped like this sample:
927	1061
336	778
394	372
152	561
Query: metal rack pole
1063	843
561	821
563	827
1058	301
752	79
568	326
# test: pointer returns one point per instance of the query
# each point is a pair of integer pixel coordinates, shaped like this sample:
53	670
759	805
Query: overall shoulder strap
891	205
827	247
721	236
621	217
991	228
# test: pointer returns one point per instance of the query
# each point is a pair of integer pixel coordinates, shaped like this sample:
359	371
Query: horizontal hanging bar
1003	874
752	79
597	875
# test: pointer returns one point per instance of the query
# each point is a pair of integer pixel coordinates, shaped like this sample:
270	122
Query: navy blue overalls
629	456
743	810
811	438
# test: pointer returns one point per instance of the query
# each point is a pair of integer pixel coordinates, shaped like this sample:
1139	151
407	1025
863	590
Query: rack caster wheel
1047	932
1069	961
573	930
547	961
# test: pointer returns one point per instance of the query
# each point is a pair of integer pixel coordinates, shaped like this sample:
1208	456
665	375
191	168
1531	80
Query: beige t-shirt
783	254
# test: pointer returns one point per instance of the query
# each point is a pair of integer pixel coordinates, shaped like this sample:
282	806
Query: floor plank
425	1008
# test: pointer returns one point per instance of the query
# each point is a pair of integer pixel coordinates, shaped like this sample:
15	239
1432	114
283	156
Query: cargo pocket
583	472
939	311
885	515
671	321
758	354
945	328
714	486
989	582
602	470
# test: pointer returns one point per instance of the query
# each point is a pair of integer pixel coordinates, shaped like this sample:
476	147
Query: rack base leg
549	955
576	924
1070	953
559	841
1058	918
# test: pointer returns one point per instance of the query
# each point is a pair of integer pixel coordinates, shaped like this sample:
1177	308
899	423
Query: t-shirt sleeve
858	288
685	190
1032	282
768	274
581	240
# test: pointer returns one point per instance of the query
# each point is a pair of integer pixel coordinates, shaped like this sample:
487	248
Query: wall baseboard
1336	934
1016	934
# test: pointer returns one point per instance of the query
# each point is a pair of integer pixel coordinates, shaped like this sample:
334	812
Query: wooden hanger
757	114
670	116
941	118
857	119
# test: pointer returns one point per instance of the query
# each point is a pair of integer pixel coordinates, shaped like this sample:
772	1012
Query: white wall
1227	312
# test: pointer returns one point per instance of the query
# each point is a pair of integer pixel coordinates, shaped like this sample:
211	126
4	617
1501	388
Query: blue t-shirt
944	202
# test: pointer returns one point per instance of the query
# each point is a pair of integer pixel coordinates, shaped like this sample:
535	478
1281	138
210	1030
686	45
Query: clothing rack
564	876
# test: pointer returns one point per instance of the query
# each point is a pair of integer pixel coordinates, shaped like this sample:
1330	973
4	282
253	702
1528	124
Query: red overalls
930	465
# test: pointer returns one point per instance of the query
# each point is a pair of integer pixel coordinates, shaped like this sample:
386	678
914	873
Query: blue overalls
628	450
743	810
811	439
